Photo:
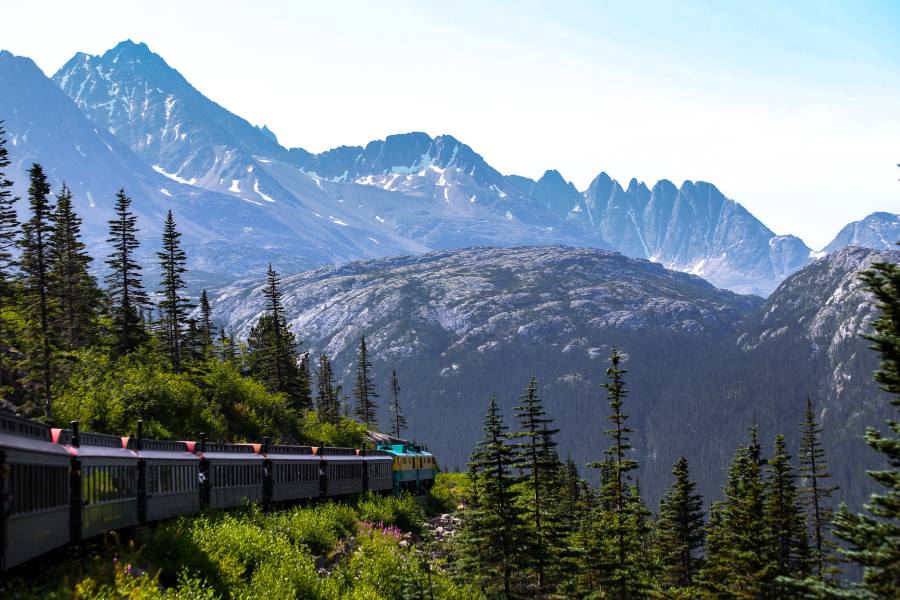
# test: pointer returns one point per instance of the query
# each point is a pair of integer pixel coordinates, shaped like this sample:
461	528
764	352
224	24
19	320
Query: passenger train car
60	487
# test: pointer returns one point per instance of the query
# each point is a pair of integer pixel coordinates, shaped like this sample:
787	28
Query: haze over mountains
243	200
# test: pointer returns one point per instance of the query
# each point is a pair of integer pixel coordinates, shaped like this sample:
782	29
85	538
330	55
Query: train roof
405	449
24	434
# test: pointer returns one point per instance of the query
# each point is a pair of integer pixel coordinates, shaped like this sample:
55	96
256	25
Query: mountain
703	363
427	194
44	126
412	192
880	230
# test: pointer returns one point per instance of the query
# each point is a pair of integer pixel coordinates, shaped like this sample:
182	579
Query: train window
37	487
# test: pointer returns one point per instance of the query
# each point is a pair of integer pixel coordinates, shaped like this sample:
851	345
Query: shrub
403	511
110	395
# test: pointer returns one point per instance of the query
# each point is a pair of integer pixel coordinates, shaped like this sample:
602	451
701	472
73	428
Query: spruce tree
174	306
37	264
326	399
815	492
621	569
397	419
272	349
493	533
874	538
227	349
206	325
75	290
738	538
304	383
537	460
9	237
789	552
126	292
679	531
364	389
9	227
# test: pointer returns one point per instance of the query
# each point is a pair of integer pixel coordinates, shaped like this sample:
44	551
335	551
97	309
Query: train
61	487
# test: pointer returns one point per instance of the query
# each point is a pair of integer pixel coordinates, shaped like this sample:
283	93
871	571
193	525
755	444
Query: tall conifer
126	291
537	461
9	226
74	288
174	306
620	574
206	325
364	389
37	264
493	534
815	491
679	530
789	552
398	421
326	398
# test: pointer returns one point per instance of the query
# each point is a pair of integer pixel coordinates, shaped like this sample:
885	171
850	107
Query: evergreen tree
9	234
272	348
679	531
789	552
397	418
37	264
620	576
304	383
206	325
9	227
227	349
815	492
737	559
326	399
74	289
126	292
874	538
537	460
174	306
493	534
364	389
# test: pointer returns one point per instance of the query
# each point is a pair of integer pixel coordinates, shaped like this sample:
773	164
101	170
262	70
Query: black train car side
62	486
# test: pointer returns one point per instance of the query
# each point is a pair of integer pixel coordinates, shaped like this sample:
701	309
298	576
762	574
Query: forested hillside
704	364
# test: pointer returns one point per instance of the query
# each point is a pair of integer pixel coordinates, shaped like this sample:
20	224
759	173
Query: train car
294	472
230	474
379	476
104	482
343	471
34	491
414	468
168	478
427	469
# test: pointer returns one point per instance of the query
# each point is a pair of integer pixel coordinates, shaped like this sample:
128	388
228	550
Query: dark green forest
110	355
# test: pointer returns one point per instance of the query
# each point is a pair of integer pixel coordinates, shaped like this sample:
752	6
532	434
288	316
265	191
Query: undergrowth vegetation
368	548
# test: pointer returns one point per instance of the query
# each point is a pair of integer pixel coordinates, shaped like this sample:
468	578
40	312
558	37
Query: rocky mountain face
411	193
44	126
880	230
703	363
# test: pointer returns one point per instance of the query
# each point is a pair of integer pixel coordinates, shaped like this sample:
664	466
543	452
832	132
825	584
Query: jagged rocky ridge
703	363
411	193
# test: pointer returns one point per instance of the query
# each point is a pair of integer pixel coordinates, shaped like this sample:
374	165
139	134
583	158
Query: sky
790	108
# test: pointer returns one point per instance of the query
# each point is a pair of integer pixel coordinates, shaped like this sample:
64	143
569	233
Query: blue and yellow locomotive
414	466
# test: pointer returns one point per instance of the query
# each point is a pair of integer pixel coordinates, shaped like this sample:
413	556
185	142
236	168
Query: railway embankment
370	547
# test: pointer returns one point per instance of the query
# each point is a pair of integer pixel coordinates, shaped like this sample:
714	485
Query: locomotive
63	486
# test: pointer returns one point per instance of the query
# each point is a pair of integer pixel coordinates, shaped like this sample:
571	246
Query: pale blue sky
790	110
